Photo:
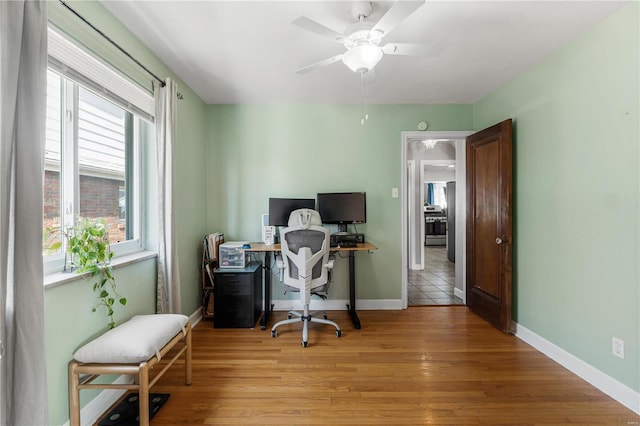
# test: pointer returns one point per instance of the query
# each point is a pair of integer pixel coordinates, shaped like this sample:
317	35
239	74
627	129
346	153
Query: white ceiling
245	52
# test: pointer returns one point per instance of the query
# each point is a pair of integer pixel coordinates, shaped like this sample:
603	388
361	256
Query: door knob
498	240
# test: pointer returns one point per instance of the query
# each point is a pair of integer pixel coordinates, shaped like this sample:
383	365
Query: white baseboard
338	305
607	384
458	293
417	267
91	412
195	317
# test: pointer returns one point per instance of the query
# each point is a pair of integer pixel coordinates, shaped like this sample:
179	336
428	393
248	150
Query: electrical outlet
618	347
394	192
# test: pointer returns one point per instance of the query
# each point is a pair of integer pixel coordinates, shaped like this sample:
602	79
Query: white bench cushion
134	341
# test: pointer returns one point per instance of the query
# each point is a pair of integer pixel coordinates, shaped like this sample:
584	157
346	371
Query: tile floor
434	285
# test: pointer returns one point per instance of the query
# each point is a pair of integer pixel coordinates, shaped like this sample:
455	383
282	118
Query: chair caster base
305	344
338	333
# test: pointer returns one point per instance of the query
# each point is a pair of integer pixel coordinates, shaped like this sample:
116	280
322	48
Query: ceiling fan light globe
362	58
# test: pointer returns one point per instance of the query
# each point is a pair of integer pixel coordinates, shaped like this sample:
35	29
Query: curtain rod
93	27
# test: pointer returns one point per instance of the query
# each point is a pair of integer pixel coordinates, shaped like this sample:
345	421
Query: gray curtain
168	289
23	83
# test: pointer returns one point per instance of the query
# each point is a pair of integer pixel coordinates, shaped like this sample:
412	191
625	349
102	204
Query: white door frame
459	137
411	175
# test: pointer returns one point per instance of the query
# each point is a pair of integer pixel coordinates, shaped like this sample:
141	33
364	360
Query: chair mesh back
305	238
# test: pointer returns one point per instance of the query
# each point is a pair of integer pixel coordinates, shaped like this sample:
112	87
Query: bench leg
74	395
143	394
187	357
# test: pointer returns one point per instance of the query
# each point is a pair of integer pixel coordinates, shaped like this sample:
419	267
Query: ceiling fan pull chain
365	116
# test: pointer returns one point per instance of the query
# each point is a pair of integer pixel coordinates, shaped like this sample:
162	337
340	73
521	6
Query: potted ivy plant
88	252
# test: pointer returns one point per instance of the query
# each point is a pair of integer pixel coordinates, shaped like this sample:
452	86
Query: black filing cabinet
237	296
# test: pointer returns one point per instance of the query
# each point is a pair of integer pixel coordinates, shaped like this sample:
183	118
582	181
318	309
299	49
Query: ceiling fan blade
319	64
412	49
398	12
317	28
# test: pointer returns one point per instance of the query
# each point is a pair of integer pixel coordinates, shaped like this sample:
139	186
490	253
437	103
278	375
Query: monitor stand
342	229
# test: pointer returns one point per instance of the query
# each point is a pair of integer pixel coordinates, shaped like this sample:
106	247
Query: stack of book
211	244
211	247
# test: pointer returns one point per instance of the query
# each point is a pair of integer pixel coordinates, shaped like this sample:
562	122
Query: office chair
304	267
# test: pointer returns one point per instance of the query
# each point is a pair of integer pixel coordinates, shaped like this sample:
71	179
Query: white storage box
232	255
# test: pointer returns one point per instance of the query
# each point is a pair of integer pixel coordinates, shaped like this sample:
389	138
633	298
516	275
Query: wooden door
489	243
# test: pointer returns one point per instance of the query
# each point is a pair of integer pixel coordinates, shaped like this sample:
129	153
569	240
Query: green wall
68	306
262	151
576	194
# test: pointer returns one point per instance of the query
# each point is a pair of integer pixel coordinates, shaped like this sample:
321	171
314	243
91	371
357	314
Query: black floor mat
126	412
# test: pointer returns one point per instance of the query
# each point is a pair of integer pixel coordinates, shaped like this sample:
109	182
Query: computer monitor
342	208
281	208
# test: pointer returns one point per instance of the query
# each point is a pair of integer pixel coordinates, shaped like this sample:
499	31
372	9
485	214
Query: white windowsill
58	278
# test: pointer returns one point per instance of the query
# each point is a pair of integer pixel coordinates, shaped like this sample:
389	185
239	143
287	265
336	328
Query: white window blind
72	61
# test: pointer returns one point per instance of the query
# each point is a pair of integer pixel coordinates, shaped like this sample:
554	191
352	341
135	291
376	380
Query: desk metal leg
268	307
351	307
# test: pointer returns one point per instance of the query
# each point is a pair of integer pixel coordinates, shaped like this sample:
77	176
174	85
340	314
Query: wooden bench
133	348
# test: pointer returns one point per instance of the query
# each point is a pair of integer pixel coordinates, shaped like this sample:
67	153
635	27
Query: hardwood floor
424	365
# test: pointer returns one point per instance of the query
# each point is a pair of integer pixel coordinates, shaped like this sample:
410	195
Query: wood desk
268	249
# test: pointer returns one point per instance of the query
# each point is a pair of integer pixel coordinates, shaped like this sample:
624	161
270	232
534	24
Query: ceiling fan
363	39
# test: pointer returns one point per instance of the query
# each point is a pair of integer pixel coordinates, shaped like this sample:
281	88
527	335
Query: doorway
435	284
431	281
421	263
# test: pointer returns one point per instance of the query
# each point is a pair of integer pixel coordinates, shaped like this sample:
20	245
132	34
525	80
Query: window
102	140
97	123
439	193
